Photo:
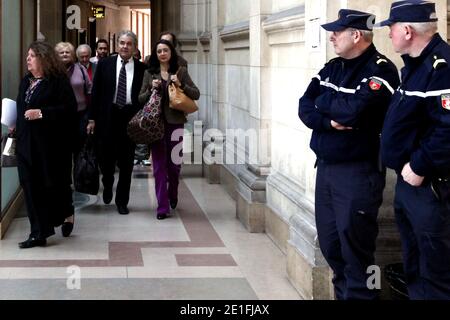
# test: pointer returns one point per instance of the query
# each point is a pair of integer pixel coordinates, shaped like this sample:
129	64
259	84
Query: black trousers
81	132
117	149
424	225
348	197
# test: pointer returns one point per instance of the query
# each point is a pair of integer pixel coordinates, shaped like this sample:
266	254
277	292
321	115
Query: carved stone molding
292	191
188	41
285	21
255	183
187	38
205	38
236	36
288	200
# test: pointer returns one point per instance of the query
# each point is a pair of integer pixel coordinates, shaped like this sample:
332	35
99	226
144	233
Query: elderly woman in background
82	87
46	109
163	70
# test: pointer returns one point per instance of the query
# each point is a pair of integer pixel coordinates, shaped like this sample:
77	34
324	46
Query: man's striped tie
121	99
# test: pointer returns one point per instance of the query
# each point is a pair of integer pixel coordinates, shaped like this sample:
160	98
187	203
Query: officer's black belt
373	162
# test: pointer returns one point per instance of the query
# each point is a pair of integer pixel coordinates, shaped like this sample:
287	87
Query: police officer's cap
351	19
410	11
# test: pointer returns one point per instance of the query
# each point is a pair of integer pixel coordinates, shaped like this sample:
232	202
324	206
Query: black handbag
9	159
85	172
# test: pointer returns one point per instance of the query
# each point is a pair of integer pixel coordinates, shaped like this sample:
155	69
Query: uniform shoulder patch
375	84
380	60
445	101
438	62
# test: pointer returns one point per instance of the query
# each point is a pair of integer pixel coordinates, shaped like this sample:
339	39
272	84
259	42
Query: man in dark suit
115	91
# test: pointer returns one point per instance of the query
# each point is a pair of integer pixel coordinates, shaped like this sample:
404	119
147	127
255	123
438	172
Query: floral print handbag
147	126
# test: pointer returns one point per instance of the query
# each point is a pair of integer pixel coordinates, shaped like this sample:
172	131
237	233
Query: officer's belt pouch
441	189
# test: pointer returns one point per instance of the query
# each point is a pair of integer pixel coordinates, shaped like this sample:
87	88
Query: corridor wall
11	59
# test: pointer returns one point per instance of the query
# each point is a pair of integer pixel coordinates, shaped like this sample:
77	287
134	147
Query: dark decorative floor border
128	254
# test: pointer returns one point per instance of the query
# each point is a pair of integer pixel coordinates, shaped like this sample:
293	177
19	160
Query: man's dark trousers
118	149
424	225
348	196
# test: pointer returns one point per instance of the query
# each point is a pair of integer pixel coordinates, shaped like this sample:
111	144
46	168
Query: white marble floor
202	250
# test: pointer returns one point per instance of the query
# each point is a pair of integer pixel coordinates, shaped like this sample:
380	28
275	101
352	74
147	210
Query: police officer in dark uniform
415	142
345	105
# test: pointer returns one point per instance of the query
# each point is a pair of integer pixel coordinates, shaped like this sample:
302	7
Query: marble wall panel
189	18
281	5
236	11
292	156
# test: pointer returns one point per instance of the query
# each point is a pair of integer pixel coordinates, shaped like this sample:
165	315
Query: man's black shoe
123	209
173	203
66	228
107	195
32	242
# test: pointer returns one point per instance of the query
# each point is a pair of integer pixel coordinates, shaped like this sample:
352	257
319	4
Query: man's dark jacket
103	91
355	93
417	125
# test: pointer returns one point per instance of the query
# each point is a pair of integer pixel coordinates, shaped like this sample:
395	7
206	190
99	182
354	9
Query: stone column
216	117
251	192
155	21
306	267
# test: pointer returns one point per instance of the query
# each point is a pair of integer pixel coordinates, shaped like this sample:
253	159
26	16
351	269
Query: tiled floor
201	252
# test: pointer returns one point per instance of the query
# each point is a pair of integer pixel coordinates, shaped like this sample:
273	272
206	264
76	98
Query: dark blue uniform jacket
355	93
417	125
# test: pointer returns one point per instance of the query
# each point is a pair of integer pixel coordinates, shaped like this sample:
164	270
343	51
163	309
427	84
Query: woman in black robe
46	109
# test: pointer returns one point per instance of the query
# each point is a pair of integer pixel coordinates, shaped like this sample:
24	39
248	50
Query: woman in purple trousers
163	70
